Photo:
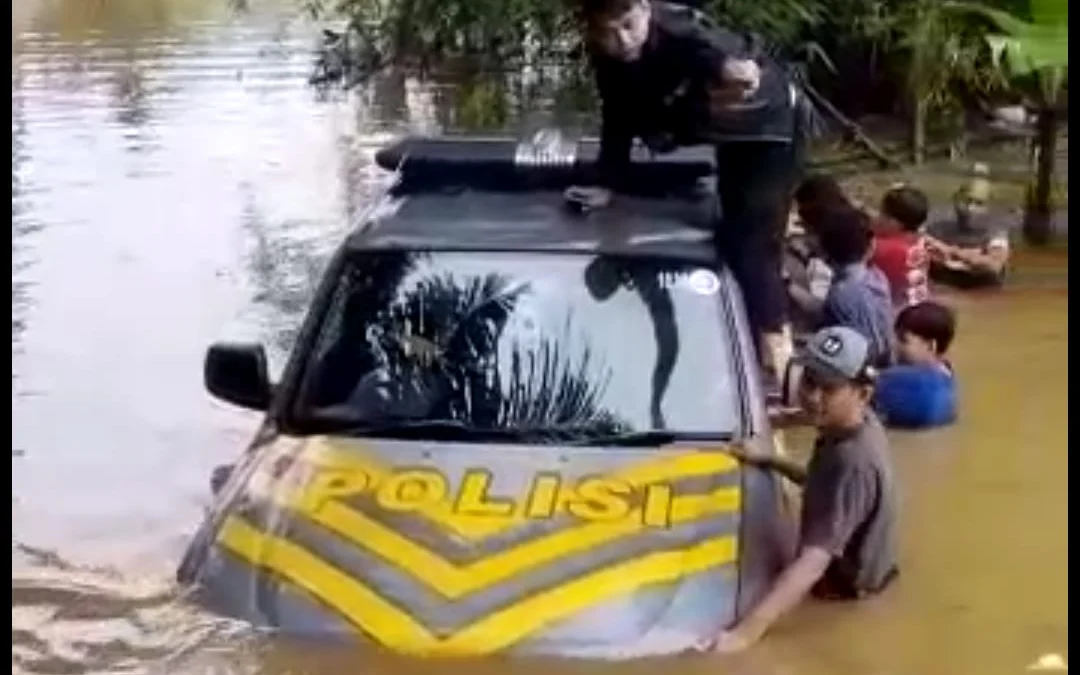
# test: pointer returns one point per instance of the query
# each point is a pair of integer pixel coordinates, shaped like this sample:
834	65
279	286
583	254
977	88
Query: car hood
451	548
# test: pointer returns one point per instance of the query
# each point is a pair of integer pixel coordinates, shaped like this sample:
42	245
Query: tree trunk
1038	217
918	128
921	34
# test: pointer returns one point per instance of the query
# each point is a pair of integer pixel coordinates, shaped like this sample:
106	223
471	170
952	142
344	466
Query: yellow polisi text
328	470
406	490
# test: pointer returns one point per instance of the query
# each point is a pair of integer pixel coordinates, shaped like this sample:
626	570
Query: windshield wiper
457	430
652	437
448	429
438	429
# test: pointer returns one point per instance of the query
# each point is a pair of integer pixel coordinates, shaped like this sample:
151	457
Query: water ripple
137	165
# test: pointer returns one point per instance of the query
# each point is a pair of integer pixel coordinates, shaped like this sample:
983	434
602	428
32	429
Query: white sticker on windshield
704	282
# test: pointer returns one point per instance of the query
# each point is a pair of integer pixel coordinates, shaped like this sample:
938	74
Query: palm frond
545	389
1026	47
459	324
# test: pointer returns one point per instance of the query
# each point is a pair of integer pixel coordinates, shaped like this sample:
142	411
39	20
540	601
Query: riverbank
940	177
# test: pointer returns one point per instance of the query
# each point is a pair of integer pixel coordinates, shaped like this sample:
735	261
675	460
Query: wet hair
591	9
844	236
907	206
930	321
816	196
821	189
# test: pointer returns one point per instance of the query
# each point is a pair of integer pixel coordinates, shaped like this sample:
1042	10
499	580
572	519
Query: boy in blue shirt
920	392
858	295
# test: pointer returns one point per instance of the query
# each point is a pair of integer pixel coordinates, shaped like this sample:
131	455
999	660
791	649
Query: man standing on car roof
667	75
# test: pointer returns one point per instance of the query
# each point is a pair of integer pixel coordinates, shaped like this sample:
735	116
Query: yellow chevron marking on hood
454	581
394	628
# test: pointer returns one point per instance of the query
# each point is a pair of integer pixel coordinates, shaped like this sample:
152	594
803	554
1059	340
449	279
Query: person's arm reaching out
824	537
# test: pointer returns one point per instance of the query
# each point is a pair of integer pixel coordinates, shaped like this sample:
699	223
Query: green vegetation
1031	45
938	66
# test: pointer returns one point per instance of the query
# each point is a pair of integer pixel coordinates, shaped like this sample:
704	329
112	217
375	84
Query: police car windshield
594	347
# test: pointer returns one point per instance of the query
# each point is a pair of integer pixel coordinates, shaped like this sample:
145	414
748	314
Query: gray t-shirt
849	509
984	232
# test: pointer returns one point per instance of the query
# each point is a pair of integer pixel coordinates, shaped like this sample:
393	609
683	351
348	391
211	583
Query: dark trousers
755	182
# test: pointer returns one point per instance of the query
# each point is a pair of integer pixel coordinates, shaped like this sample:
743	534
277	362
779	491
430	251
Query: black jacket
662	97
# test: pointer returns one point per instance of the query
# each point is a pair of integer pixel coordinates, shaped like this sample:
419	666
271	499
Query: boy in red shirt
899	246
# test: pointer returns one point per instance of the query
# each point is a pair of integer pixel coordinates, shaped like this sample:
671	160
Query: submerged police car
505	426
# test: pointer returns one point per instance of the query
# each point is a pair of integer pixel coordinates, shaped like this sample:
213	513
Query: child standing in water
858	295
920	392
900	250
805	267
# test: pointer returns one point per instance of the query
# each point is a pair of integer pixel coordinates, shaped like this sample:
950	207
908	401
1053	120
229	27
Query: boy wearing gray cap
847	545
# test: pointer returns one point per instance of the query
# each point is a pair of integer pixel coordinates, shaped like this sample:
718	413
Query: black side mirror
238	373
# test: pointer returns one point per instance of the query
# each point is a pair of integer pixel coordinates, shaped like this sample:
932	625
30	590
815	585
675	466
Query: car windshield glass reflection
522	347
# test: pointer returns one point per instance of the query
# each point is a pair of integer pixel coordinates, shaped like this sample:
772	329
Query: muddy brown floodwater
175	181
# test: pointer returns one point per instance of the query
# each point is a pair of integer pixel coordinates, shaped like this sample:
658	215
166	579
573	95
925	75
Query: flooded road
175	181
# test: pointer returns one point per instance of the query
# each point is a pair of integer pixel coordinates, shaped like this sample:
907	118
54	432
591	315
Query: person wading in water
668	76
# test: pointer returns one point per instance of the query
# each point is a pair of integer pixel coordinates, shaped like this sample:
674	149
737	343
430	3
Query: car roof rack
547	161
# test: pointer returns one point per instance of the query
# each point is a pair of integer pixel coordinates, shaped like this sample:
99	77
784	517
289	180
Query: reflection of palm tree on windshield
603	277
371	291
545	392
441	338
435	355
